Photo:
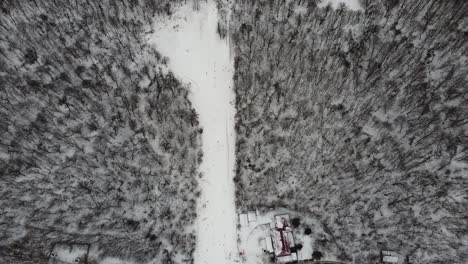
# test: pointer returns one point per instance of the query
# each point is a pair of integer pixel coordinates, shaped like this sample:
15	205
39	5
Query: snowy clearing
351	4
199	57
254	235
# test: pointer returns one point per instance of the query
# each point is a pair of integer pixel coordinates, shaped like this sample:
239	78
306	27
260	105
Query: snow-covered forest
98	140
117	119
359	117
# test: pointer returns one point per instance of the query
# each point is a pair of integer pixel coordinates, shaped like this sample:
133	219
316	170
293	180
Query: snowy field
201	59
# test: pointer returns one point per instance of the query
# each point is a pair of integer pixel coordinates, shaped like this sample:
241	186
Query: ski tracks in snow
198	56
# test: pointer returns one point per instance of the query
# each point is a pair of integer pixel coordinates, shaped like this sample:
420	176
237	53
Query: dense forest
360	118
98	141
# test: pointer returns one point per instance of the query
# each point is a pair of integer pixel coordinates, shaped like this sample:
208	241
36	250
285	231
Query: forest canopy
99	143
358	117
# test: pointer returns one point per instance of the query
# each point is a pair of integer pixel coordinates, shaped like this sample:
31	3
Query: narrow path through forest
198	56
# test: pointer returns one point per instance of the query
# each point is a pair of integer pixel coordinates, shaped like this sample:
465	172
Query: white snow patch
252	238
351	4
68	253
199	57
307	248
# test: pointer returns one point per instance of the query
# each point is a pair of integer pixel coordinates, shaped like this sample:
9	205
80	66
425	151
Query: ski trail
198	56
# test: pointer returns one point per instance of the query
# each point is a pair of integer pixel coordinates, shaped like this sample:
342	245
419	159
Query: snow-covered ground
351	4
252	236
199	57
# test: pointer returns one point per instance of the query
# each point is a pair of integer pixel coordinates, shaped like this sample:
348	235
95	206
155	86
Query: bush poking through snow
295	222
317	255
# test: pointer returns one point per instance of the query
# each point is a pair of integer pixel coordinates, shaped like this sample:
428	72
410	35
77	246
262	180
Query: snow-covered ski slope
199	57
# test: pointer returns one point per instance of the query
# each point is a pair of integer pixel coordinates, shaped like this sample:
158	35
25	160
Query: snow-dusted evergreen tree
360	118
98	144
